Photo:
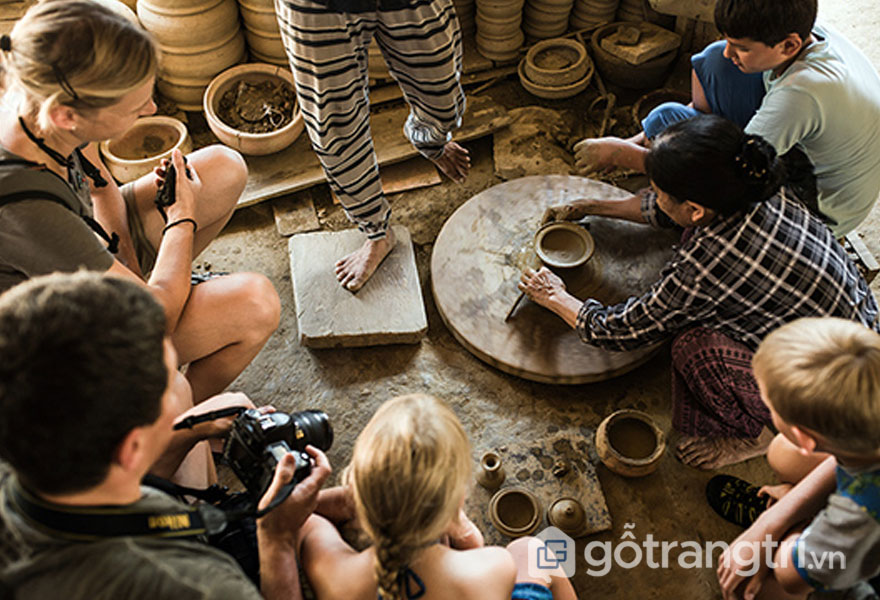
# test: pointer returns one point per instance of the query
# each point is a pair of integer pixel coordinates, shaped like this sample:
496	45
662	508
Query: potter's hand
542	287
573	211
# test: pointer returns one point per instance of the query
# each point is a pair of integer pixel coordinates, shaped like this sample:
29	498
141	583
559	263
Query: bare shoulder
483	573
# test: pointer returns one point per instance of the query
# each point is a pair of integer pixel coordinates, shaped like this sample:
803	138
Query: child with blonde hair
820	378
408	477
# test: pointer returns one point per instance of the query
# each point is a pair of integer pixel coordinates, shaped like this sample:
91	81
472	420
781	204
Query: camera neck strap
94	523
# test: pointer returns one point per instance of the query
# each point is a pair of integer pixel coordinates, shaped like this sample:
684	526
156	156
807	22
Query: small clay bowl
629	443
137	151
557	62
245	142
554	92
515	512
564	245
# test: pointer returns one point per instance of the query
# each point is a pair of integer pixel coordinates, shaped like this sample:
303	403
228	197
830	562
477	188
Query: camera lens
315	428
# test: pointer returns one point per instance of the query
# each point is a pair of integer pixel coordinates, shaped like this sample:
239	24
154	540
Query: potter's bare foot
601	154
354	270
455	162
464	535
711	453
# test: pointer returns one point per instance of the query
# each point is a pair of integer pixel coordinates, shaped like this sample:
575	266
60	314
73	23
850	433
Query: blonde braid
391	560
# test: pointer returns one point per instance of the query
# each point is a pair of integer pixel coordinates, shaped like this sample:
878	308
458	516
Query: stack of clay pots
590	13
499	36
543	19
631	10
199	39
464	10
261	31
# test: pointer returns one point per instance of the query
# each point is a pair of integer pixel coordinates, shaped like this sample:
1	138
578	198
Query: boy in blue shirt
820	378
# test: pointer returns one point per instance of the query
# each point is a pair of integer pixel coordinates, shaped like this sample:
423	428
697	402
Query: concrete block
653	42
389	309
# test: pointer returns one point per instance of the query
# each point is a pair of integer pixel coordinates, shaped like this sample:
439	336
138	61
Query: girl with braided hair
407	481
753	256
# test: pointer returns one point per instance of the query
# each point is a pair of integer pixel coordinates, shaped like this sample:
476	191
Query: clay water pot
266	43
515	512
557	62
137	151
568	515
258	15
499	9
491	474
245	142
564	245
185	24
629	443
197	65
649	74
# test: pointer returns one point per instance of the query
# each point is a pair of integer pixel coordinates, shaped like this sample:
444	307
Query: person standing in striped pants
326	42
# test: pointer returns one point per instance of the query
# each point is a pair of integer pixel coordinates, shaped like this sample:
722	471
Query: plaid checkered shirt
743	275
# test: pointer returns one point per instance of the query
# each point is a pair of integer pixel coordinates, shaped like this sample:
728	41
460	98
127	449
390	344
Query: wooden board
476	264
528	464
388	310
296	167
295	215
412	174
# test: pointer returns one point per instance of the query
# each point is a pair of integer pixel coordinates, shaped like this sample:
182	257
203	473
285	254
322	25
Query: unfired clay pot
250	143
515	512
615	70
491	473
629	443
557	62
568	515
564	244
137	151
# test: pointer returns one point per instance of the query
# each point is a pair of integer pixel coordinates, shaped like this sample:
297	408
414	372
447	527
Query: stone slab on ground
528	463
296	167
389	309
295	215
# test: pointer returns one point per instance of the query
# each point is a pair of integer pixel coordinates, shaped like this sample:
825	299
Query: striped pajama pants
327	50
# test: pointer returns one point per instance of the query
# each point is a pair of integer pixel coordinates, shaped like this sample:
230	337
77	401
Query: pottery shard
653	42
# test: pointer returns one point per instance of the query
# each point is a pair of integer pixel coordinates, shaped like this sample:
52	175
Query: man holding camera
86	410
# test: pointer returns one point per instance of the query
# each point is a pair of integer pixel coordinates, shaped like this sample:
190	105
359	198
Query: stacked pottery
631	10
199	38
464	10
499	36
543	19
261	31
589	13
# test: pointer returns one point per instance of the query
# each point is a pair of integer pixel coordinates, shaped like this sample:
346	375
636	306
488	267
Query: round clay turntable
484	246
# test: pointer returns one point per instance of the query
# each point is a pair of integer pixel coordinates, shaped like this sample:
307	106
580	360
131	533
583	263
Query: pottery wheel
476	264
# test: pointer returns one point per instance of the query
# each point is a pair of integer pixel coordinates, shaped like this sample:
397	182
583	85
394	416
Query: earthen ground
497	408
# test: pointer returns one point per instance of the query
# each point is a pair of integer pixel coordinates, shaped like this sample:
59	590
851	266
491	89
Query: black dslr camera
257	442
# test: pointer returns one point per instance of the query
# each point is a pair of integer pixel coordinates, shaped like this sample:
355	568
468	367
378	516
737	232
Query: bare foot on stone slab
455	162
711	453
354	270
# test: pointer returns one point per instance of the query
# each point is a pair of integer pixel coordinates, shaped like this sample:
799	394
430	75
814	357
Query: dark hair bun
755	160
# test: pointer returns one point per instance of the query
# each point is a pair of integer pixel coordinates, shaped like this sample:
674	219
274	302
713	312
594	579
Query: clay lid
568	515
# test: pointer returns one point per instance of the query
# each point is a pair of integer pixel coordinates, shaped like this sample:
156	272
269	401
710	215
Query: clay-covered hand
596	154
573	211
542	287
283	523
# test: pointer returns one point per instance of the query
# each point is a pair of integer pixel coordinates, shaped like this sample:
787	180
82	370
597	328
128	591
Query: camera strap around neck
93	523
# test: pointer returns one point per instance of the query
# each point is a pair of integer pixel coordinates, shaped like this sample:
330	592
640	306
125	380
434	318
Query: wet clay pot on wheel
568	515
515	512
491	473
629	443
564	245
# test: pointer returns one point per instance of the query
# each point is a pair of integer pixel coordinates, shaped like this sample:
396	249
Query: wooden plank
296	167
388	310
295	215
412	174
864	259
390	93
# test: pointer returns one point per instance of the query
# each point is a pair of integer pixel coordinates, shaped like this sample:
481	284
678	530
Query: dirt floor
497	408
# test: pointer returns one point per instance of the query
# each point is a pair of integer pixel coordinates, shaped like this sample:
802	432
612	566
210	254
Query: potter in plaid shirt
742	275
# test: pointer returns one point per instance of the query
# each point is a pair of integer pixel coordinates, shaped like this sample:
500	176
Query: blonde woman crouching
407	481
77	73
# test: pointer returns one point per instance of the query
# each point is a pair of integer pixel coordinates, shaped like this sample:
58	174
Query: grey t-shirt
38	565
840	548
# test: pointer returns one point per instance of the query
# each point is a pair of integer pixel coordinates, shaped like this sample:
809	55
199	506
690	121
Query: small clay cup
564	245
515	512
143	146
629	443
491	473
568	515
